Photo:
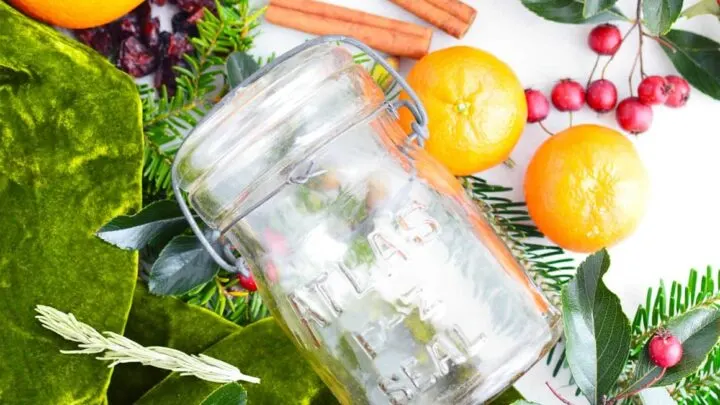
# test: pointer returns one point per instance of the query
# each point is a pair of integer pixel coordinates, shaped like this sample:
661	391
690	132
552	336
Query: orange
76	13
476	108
586	188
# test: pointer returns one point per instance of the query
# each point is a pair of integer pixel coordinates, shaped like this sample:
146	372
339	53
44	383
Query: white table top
681	229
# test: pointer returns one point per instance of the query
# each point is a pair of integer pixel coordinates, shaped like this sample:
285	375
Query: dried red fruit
100	39
178	45
159	2
135	58
128	26
151	33
192	6
181	23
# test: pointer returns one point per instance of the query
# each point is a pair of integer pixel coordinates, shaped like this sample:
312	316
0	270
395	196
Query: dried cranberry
128	26
178	45
158	2
100	39
143	12
135	58
191	6
181	23
151	33
195	17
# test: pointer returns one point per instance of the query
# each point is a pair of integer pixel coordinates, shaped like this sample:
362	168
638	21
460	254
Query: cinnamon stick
383	39
457	8
354	16
436	16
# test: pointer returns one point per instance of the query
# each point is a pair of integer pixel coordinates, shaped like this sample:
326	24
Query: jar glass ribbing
390	281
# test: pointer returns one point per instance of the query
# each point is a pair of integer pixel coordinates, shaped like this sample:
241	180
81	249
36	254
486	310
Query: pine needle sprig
166	119
120	350
549	265
221	296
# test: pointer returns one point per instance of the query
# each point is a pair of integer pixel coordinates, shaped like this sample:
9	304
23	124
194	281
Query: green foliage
698	329
228	394
70	159
575	11
703	7
155	224
183	264
240	66
597	333
660	15
548	264
591	8
167	119
221	295
696	58
663	305
168	322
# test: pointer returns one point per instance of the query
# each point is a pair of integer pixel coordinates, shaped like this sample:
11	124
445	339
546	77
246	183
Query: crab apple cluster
634	114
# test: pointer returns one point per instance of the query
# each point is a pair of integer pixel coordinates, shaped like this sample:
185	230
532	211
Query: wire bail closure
419	134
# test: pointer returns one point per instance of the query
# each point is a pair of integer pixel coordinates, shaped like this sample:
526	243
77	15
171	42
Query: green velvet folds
70	160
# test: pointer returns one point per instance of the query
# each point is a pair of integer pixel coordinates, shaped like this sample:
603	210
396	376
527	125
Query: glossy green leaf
182	265
597	332
594	7
571	11
228	394
161	220
510	396
659	15
702	8
697	58
698	330
239	67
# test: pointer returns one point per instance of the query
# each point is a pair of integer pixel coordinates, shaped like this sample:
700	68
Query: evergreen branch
548	265
167	119
119	350
222	296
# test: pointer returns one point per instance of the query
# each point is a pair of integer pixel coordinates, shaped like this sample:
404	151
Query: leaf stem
635	392
661	41
557	395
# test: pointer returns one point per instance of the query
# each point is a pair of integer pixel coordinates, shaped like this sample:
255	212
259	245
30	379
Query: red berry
602	95
568	95
634	116
538	106
247	282
653	90
665	350
605	39
679	91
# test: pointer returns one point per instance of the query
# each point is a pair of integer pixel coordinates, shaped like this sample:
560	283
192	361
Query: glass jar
387	277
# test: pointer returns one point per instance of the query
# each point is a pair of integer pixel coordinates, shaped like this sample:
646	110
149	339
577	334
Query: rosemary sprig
118	350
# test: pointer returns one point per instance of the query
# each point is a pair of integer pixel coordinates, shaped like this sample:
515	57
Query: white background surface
682	227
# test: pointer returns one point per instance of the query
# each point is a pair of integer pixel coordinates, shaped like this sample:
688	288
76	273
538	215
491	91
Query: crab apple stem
557	395
571	117
622	396
592	73
544	128
632	73
627	34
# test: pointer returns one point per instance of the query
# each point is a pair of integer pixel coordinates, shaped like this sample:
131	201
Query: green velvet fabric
163	321
261	350
70	160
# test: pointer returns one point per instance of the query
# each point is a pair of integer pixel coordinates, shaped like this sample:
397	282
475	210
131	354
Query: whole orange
586	188
476	108
76	13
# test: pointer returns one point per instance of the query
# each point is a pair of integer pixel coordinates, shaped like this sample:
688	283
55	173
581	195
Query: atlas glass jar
389	280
